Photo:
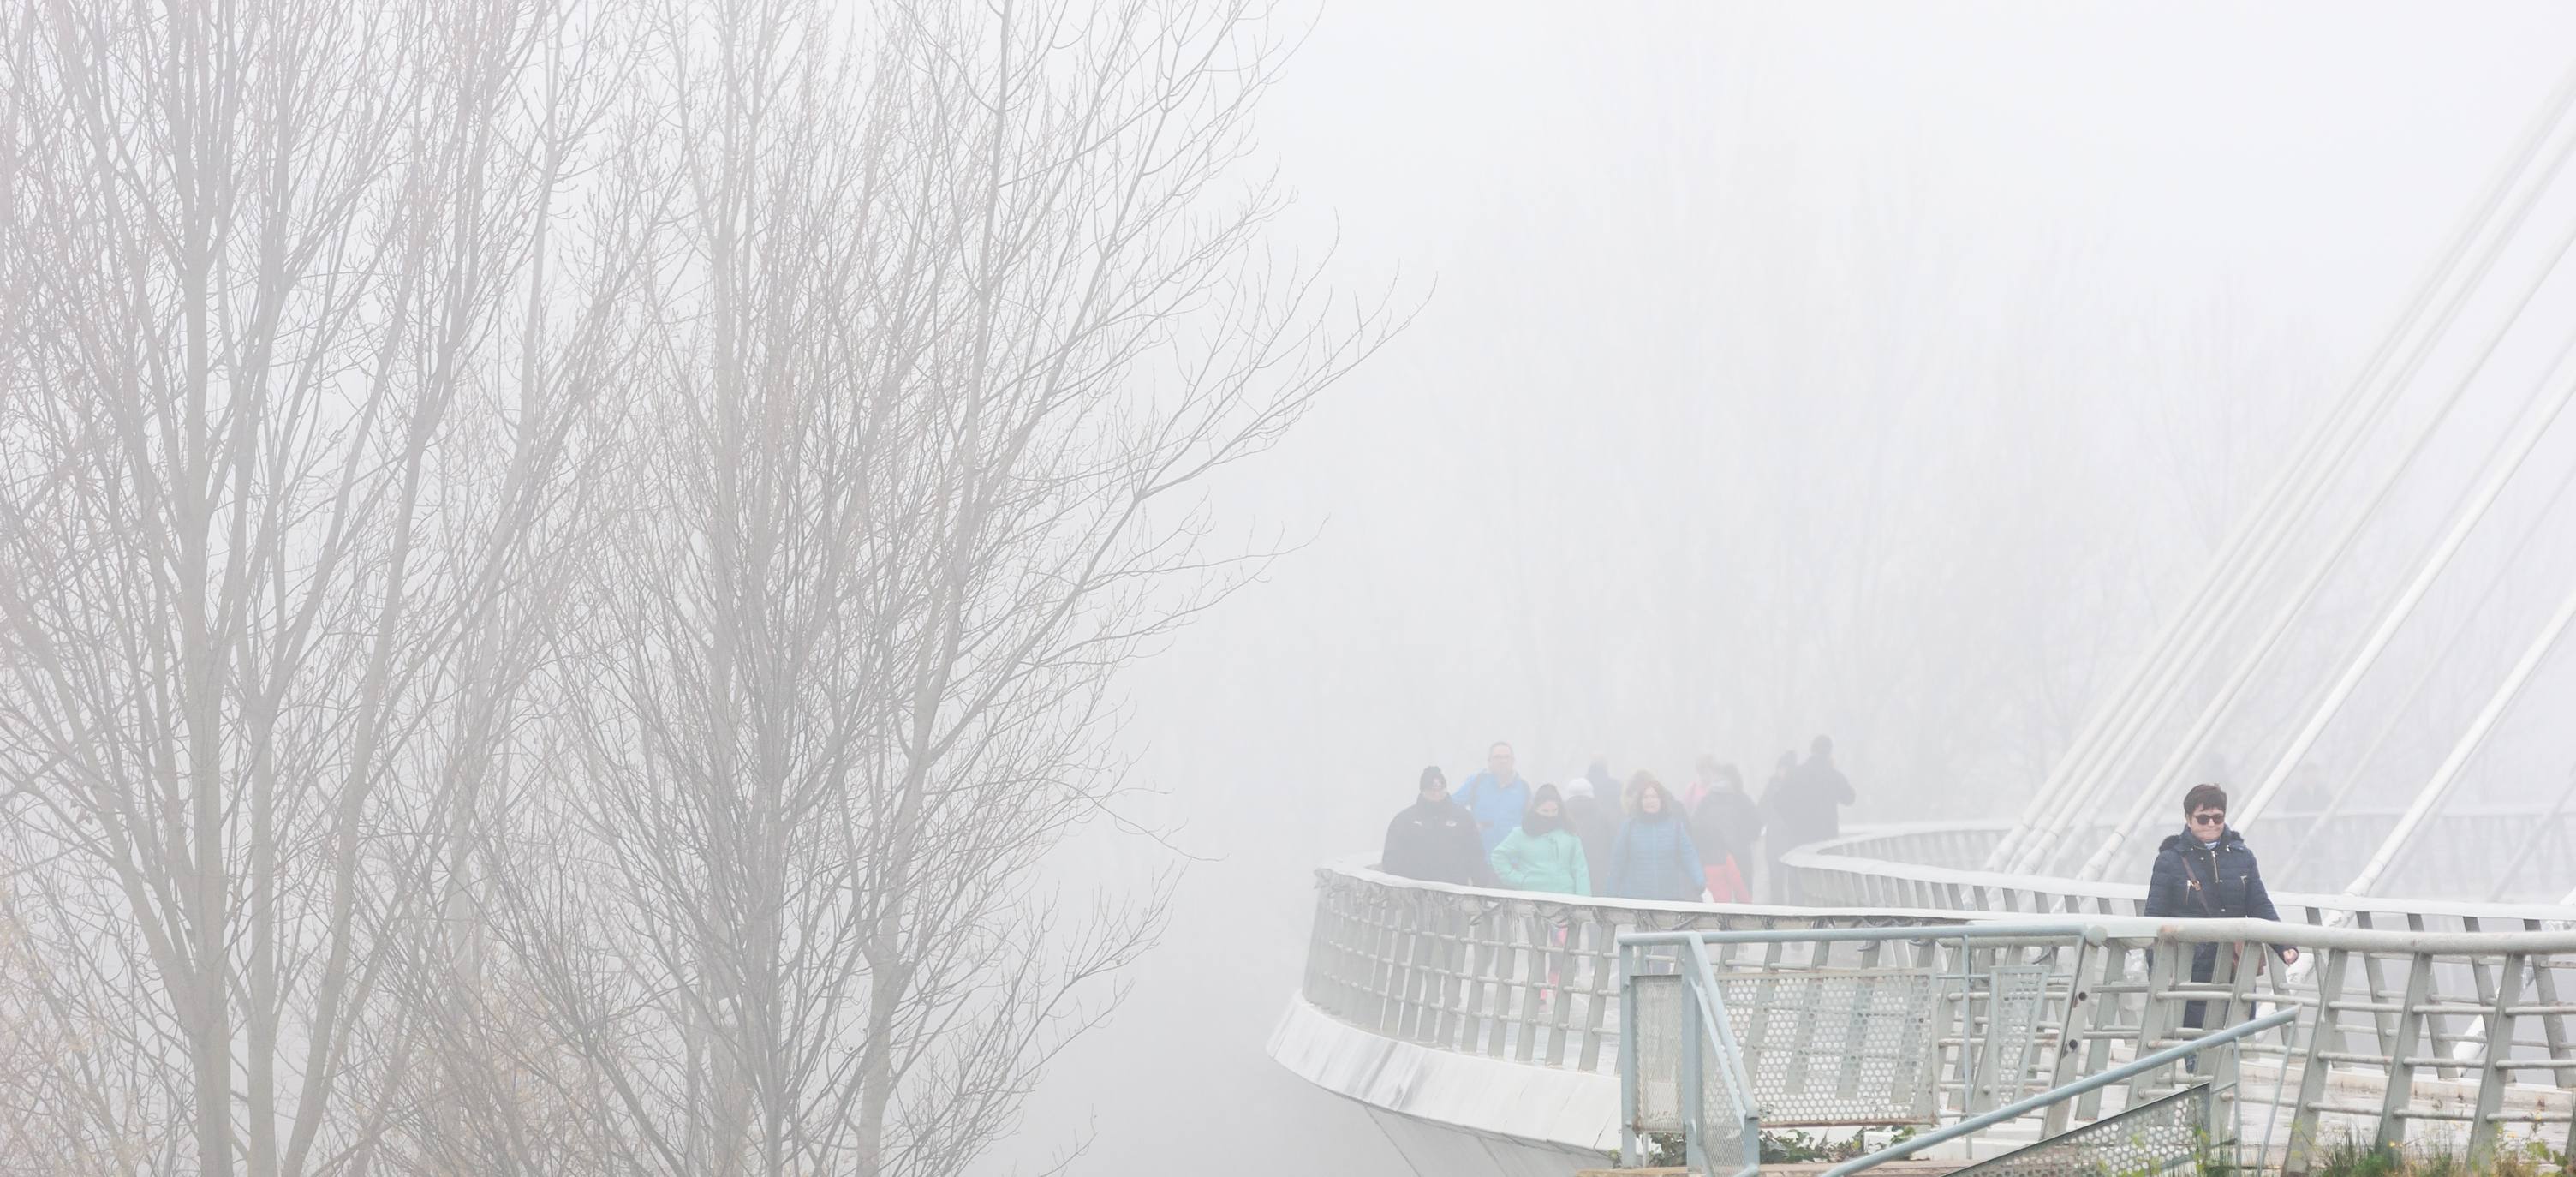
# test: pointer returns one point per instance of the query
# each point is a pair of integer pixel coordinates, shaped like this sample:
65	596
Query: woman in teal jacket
1543	854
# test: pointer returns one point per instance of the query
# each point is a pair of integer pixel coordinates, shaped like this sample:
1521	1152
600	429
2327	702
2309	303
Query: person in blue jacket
1495	797
1654	857
2206	872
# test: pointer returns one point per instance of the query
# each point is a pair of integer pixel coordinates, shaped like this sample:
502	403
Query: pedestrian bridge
1484	1031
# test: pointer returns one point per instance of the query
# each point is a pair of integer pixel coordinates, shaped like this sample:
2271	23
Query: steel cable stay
2448	775
2070	789
2465	521
2508	169
2288	615
2353	774
2537	415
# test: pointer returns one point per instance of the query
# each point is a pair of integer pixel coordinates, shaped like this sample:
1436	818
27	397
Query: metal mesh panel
2160	1136
1723	1135
2016	996
1657	1035
1663	1104
1847	1046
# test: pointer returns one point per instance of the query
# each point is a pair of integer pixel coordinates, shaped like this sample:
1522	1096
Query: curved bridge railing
2456	1019
1508	975
1932	866
2471	854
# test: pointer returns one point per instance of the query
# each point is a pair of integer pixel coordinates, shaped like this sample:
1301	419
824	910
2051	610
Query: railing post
2106	1004
1630	1155
2499	1046
2162	1011
2323	1034
2070	1037
1694	1102
2553	1024
1457	933
2401	1073
1405	986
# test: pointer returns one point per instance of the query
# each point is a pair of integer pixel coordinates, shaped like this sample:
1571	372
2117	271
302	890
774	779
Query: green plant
2351	1158
1790	1146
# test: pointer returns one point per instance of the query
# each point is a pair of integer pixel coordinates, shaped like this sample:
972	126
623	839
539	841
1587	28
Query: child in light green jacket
1543	854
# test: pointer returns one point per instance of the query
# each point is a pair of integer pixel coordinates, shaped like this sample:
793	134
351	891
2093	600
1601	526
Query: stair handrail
1700	988
1730	1055
2125	1071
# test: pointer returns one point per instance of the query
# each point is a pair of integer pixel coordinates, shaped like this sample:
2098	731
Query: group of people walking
1496	830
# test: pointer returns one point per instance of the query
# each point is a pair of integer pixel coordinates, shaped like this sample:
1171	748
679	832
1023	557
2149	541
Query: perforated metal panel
1837	1046
1657	1035
2016	997
1662	1032
1728	1143
2160	1136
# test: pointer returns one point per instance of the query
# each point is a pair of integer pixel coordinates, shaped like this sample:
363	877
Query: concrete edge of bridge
1565	1112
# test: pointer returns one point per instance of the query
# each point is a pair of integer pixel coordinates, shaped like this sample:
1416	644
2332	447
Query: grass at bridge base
2529	1158
2354	1159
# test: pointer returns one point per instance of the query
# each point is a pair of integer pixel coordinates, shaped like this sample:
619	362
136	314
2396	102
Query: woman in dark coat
2206	872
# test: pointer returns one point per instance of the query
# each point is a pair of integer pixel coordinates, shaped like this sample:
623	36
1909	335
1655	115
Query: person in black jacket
1726	825
1434	840
2206	872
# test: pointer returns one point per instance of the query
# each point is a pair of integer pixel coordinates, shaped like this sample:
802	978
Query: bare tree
292	365
418	759
951	332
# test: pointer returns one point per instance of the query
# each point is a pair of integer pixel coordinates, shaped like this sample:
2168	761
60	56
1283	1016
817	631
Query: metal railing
2446	1023
1933	866
1521	977
2058	1096
2162	1135
1692	1080
1808	1046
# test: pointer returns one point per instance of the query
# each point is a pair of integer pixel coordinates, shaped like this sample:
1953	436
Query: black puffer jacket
2203	880
1435	841
2206	880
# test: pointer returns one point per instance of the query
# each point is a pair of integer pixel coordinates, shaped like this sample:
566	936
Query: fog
1883	371
791	586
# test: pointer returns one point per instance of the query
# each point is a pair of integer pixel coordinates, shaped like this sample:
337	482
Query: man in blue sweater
1495	797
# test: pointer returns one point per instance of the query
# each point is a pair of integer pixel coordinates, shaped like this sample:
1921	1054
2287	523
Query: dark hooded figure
1434	840
1804	804
2206	872
1725	823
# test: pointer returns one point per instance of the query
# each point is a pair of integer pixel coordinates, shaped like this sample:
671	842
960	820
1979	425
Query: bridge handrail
2057	1095
1841	855
2444	1014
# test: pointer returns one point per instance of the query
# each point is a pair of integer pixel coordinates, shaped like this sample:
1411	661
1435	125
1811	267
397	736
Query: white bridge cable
2466	521
2064	786
2145	792
2288	615
2448	775
2072	788
2080	755
2531	841
2354	773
